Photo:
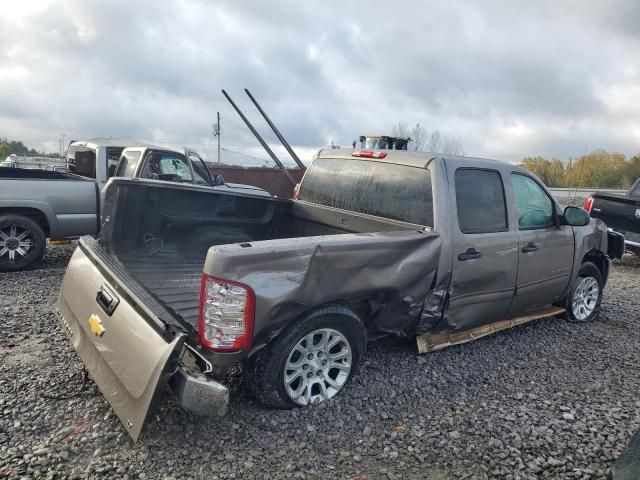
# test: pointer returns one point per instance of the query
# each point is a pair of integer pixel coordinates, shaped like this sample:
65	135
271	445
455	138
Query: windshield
386	190
167	166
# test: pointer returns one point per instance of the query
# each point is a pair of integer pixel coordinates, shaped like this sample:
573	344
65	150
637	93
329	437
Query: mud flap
123	351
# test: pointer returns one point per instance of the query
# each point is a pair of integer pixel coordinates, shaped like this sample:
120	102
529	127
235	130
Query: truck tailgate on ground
124	353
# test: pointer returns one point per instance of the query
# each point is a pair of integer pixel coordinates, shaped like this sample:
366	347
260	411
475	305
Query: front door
545	248
485	250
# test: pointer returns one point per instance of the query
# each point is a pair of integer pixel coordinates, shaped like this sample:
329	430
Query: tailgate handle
106	300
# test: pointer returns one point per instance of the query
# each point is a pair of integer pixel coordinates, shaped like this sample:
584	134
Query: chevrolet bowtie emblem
96	325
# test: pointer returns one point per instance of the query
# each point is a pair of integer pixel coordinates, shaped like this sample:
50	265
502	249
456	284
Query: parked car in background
36	204
186	282
620	212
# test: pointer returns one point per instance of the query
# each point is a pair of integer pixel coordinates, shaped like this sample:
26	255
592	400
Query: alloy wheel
585	298
317	367
15	242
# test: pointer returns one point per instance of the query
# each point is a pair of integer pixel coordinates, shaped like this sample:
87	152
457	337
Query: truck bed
160	233
617	211
36	174
170	277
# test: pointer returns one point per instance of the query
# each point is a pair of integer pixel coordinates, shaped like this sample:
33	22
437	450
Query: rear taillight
588	203
296	191
368	154
227	310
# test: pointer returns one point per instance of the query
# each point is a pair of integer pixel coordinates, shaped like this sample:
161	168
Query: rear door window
636	190
82	161
113	157
387	190
481	201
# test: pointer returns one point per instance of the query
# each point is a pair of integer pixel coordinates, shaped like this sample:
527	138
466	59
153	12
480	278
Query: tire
265	376
22	243
583	303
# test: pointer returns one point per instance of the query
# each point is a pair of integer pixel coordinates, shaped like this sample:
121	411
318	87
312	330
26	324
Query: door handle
470	254
530	247
106	301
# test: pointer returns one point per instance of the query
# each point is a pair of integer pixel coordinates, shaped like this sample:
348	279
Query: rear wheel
22	242
311	362
583	304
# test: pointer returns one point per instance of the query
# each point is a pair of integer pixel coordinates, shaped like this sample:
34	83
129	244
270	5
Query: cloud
511	79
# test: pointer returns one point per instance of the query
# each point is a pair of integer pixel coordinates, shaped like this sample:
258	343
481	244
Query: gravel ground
546	400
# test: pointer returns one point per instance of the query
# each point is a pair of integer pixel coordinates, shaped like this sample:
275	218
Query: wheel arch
42	216
600	260
349	308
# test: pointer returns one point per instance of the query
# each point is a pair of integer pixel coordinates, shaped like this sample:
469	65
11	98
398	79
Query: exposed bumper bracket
199	394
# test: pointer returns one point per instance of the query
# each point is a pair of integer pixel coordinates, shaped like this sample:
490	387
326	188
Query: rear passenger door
545	248
485	251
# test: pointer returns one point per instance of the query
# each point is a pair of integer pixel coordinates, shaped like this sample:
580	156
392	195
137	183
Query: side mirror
576	217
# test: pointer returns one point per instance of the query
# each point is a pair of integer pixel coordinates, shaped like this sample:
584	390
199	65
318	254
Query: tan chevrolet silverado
186	282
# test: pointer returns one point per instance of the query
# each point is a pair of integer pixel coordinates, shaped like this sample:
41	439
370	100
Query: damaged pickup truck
185	283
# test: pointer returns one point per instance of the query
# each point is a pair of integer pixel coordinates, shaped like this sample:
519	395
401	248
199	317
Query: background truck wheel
22	242
310	362
583	304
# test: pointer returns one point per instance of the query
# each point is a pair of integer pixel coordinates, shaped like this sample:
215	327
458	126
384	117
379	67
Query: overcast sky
511	79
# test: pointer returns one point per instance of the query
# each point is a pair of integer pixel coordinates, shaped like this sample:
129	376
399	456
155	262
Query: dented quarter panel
392	271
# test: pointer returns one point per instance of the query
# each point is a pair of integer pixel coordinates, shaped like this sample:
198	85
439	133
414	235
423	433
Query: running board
430	342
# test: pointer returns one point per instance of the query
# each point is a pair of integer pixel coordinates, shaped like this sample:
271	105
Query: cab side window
481	201
534	207
127	164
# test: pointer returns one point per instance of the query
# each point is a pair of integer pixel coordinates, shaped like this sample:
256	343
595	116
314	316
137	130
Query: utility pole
216	133
62	139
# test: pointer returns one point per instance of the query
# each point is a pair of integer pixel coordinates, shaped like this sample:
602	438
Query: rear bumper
633	247
199	394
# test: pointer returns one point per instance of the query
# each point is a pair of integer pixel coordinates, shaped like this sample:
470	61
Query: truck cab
165	164
96	158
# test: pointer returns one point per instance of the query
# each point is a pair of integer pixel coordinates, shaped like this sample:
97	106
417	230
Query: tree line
598	169
423	140
7	147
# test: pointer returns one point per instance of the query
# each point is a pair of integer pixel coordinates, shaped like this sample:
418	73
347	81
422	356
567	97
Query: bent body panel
124	354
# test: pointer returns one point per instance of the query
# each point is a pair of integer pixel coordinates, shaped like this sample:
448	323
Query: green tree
7	147
5	150
551	172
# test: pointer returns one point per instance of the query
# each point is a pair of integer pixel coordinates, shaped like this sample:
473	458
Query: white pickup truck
36	205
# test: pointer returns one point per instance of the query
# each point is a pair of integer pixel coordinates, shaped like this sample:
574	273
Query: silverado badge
96	325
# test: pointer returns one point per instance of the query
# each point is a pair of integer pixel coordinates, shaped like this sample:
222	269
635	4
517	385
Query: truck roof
120	142
108	142
411	159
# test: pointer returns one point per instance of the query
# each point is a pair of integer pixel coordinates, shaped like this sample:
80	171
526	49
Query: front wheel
583	304
310	362
22	242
